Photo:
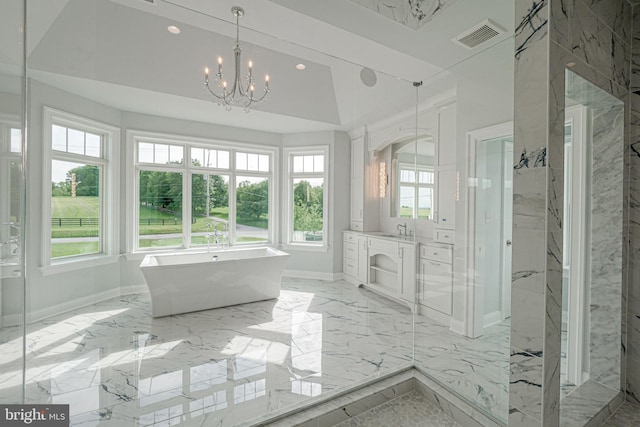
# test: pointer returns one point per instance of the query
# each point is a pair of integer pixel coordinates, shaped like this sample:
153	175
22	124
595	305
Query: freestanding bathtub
184	282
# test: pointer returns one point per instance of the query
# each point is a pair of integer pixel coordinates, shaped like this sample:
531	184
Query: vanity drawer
444	236
436	253
350	251
350	238
349	267
383	245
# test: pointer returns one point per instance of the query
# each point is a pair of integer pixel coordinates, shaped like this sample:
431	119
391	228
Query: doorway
490	225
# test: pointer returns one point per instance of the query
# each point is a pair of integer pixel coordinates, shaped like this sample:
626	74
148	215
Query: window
222	195
80	173
10	185
307	196
416	195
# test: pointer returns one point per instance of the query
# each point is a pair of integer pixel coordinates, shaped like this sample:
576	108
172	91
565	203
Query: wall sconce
383	179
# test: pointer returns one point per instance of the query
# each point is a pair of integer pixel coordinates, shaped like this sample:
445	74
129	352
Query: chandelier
239	95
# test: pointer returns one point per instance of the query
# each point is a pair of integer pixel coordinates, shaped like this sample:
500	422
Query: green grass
75	207
89	207
67	249
423	213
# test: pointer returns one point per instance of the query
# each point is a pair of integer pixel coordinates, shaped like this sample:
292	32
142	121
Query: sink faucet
403	227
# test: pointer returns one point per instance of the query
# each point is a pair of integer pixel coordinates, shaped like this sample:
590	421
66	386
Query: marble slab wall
606	245
633	254
412	13
592	37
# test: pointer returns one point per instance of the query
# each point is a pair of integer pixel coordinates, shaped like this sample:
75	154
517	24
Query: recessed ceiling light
301	67
173	29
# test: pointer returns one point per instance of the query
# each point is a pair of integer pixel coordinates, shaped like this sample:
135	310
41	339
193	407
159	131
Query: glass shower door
12	280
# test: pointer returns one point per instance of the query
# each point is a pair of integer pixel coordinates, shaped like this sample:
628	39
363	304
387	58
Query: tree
307	207
87	178
252	199
218	193
161	190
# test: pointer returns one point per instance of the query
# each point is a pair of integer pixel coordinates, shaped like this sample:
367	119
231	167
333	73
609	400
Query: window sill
78	263
304	247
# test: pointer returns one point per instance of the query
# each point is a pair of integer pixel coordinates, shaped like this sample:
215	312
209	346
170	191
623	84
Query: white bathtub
184	282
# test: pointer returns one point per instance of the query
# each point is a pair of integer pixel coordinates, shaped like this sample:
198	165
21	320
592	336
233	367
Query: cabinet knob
508	242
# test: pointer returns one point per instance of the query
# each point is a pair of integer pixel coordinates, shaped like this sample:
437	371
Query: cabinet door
357	199
363	261
436	285
408	276
357	180
445	209
446	147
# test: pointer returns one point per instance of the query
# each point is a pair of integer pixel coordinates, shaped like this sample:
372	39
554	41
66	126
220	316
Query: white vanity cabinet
364	181
385	265
436	280
355	259
392	269
445	171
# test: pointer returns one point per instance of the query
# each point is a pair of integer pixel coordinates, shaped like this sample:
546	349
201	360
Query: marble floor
116	365
477	370
409	410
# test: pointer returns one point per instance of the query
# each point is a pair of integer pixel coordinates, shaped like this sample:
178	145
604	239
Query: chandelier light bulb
241	92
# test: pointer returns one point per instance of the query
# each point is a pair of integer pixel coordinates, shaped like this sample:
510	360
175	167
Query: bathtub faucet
219	236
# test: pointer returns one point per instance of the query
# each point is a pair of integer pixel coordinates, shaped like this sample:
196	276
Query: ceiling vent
478	34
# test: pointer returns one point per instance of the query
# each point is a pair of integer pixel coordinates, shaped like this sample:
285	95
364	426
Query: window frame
134	137
417	185
7	123
109	237
290	176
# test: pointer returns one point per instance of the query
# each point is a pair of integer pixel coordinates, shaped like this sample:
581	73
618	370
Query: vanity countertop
416	240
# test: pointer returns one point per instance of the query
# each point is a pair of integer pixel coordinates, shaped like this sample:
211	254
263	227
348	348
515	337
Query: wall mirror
412	177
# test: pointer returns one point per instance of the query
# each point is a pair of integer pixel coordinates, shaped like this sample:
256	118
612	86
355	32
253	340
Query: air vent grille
478	34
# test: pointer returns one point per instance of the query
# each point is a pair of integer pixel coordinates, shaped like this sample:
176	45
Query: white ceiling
119	53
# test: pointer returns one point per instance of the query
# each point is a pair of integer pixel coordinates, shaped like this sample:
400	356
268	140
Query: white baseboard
434	315
54	310
304	274
134	289
457	326
492	318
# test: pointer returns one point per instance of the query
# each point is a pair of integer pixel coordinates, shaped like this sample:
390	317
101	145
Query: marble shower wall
593	38
633	183
606	245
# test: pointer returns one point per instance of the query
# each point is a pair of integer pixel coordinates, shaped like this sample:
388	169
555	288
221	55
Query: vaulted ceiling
120	53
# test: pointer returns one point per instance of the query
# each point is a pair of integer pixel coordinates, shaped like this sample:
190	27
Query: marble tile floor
116	365
628	415
410	410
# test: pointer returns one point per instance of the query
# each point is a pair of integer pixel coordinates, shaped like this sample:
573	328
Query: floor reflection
113	363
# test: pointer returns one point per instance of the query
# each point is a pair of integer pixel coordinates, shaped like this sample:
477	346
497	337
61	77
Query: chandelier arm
206	85
264	95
